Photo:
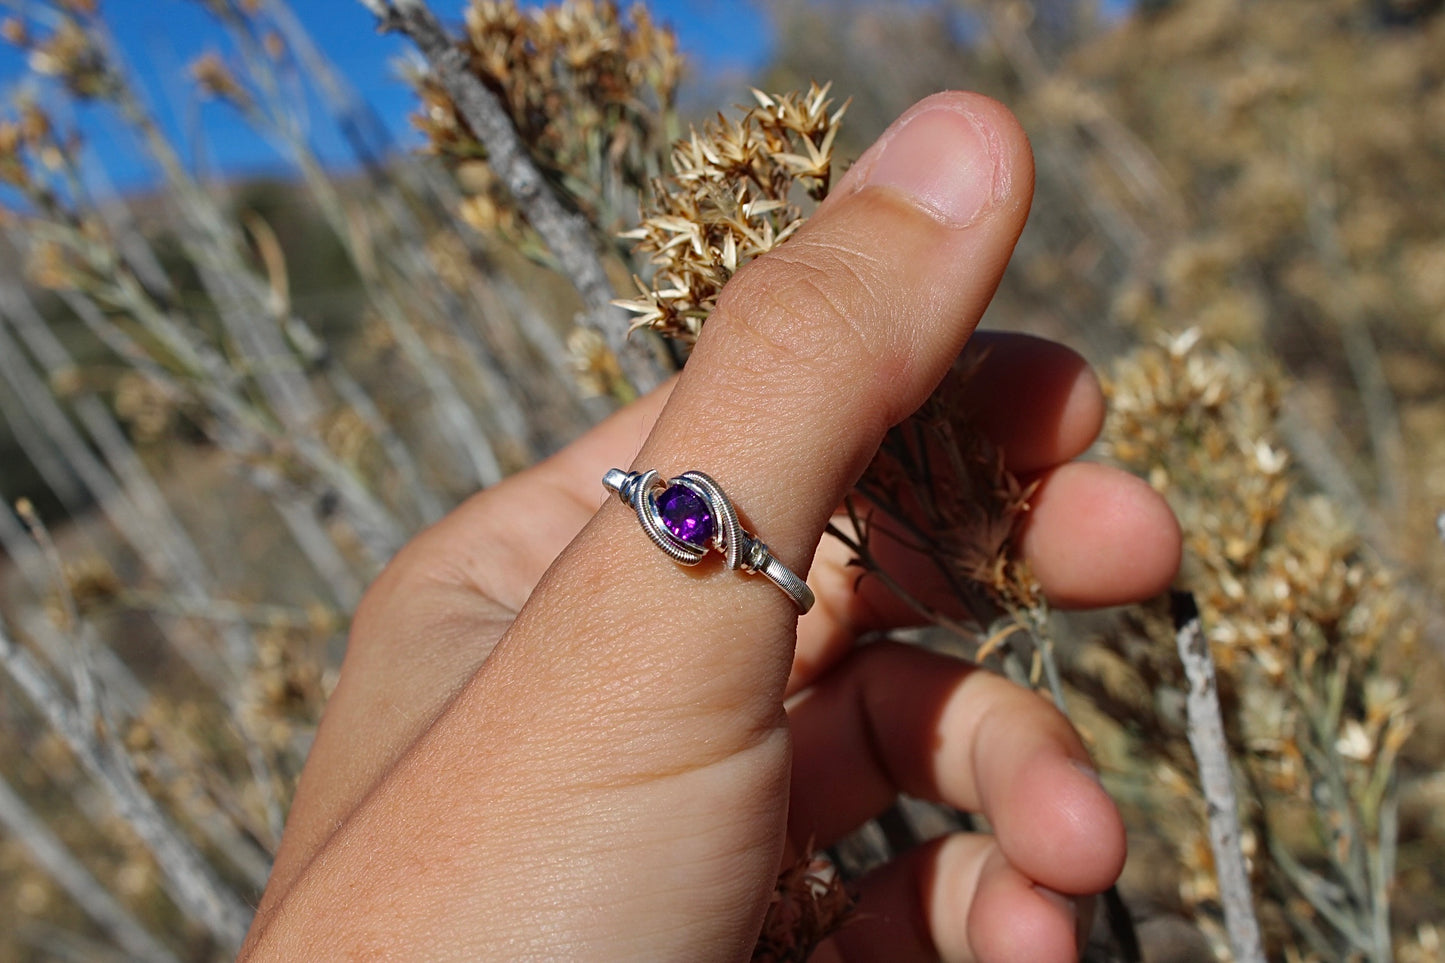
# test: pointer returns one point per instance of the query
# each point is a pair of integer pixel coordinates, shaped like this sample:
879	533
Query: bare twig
369	136
1216	778
148	525
1382	873
82	673
567	235
190	880
1328	898
859	546
240	298
65	945
56	859
310	535
120	684
455	417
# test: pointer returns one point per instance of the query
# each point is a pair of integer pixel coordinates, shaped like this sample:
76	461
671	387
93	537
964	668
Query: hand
550	741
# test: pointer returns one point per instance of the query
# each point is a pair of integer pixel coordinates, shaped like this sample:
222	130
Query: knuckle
807	305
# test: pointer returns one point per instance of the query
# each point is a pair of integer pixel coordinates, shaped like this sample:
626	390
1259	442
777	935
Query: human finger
1094	536
895	718
1038	401
957	899
1099	536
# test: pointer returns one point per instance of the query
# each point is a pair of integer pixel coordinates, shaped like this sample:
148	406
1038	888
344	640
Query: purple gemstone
685	515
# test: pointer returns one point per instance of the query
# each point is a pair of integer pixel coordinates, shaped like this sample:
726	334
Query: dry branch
190	880
567	235
1216	780
52	856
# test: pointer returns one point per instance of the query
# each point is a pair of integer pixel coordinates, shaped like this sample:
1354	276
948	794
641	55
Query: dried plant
736	191
1306	628
809	904
1205	166
169	666
538	63
731	196
590	91
939	487
169	663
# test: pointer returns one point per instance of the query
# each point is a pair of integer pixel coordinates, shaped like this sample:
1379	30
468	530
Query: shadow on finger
957	899
894	718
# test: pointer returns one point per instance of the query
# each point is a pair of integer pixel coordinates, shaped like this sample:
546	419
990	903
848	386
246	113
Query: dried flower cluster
939	486
68	51
235	449
589	89
28	142
594	364
731	196
145	406
290	681
216	79
1270	159
809	904
1227	411
1303	624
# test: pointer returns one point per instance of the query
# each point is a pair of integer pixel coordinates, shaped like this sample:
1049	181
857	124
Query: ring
689	515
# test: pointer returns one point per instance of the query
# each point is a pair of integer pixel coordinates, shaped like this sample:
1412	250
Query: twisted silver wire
742	550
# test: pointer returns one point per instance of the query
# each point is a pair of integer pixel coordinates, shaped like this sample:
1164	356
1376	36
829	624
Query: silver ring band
690	515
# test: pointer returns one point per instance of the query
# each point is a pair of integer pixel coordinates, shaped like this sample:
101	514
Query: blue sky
160	38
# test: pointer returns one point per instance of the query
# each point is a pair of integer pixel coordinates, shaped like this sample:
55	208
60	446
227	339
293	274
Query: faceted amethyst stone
685	515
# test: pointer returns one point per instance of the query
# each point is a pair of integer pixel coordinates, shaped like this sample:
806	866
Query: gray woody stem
1216	779
190	881
567	235
60	864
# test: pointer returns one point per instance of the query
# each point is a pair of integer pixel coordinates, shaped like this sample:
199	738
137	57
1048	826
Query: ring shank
787	580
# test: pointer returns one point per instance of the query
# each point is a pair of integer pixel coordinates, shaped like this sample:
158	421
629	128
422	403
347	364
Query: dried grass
1236	235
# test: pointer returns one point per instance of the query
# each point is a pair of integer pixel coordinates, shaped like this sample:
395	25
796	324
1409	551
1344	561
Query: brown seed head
215	79
14	31
71	55
729	199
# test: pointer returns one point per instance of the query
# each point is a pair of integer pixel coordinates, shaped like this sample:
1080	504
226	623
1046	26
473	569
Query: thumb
813	353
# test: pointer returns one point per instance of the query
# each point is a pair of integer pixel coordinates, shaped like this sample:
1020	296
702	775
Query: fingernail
943	160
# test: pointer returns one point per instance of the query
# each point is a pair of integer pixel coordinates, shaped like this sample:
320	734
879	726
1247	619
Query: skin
550	741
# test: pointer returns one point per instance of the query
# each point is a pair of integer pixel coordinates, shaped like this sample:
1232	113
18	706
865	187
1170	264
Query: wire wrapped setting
696	505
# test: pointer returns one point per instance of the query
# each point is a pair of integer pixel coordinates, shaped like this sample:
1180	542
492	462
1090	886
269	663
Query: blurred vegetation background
223	405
